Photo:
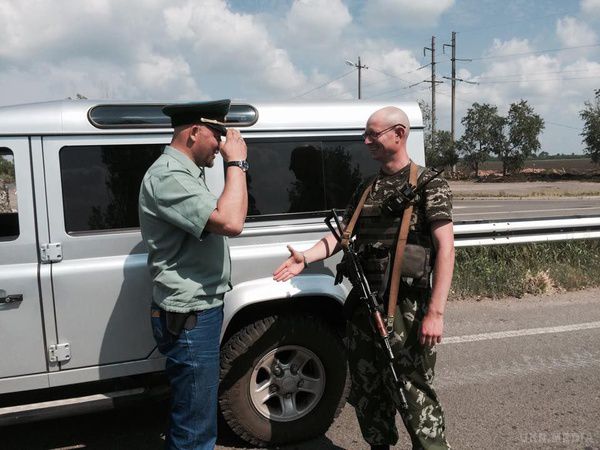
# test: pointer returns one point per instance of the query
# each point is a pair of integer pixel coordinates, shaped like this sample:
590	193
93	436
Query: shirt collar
186	162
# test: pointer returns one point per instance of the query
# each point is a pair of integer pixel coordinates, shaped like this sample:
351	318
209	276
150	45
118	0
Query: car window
303	177
101	184
9	214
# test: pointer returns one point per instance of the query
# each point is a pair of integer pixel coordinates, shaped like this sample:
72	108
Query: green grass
535	268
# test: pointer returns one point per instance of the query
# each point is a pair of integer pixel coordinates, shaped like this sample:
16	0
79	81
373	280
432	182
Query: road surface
512	374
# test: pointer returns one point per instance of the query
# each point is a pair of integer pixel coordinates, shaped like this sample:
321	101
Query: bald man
419	318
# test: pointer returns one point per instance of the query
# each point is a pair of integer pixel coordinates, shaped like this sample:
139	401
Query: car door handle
14	298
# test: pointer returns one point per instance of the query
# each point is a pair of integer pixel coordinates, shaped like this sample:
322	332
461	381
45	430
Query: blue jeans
192	368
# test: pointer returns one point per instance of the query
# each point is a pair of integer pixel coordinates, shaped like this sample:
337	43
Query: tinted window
101	184
303	177
9	217
151	116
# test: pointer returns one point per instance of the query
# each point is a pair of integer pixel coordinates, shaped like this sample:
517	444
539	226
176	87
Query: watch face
241	164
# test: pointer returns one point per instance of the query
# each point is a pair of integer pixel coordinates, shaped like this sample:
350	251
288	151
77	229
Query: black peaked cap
190	113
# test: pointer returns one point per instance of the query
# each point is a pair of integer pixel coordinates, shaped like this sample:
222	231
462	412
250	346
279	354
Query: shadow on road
138	427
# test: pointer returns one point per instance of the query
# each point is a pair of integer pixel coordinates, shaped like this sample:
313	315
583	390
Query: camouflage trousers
373	393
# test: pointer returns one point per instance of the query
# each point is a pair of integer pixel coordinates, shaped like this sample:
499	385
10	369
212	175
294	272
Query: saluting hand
234	148
291	267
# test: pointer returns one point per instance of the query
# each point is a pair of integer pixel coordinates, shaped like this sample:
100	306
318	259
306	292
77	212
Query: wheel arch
310	294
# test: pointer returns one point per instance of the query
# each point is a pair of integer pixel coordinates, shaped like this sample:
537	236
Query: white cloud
572	32
317	22
405	13
222	40
158	48
514	71
591	8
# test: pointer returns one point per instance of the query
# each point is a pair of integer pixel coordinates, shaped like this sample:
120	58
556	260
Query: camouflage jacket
374	227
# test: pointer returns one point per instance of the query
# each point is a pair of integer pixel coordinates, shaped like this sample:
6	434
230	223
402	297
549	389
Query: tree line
512	139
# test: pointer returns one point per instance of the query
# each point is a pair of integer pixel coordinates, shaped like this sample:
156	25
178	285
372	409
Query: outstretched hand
291	267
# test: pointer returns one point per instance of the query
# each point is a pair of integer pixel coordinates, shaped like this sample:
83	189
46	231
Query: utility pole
454	79
359	67
433	83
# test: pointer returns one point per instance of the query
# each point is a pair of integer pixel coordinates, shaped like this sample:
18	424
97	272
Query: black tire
263	355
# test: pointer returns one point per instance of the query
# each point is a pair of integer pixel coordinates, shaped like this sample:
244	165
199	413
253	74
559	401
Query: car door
101	285
21	323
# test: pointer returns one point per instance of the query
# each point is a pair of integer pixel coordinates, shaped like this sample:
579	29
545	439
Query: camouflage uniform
373	393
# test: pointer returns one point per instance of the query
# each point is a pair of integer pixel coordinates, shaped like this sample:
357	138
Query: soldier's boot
380	447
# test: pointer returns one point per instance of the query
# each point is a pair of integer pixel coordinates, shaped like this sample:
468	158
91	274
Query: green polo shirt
190	267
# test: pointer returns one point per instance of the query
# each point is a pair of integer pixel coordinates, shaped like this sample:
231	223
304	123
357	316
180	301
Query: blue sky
546	52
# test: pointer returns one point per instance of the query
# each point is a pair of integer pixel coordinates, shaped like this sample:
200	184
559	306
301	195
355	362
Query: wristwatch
241	164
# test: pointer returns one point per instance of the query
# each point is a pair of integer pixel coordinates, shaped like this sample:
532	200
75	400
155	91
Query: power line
392	76
390	91
403	73
534	73
445	94
322	85
401	88
541	79
511	55
562	125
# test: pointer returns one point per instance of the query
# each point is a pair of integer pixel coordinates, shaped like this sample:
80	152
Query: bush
533	268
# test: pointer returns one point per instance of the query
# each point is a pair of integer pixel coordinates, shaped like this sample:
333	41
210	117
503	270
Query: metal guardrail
468	234
526	230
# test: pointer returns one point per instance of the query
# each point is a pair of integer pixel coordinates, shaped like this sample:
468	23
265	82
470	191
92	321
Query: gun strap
399	255
347	234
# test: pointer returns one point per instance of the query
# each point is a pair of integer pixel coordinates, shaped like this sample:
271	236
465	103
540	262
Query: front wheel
284	379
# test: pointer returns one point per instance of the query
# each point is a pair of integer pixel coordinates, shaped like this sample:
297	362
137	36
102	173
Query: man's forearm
442	280
326	247
443	242
232	205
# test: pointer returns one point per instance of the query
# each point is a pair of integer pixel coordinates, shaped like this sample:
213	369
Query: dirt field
539	178
563	165
525	189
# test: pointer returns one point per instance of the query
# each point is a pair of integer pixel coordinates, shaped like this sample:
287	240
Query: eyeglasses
376	134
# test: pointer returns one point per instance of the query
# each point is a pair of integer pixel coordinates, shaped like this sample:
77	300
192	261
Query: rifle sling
347	234
400	246
399	255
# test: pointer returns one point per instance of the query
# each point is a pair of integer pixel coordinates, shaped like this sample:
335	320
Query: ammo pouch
417	262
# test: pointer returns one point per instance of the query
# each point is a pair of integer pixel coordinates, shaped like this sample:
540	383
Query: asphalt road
499	209
512	374
531	200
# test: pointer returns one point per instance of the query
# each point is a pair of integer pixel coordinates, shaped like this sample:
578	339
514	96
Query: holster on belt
176	322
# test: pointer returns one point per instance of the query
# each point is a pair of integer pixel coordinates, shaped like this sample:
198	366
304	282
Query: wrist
304	260
240	164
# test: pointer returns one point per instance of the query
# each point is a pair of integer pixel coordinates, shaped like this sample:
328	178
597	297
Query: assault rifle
356	275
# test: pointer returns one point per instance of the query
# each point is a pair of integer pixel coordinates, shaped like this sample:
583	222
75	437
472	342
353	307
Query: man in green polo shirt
185	228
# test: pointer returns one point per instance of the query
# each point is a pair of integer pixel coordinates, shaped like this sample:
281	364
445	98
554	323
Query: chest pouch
416	266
